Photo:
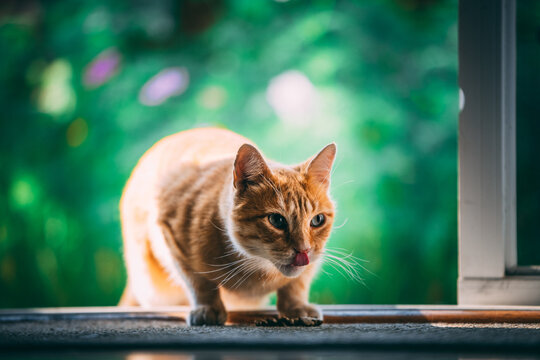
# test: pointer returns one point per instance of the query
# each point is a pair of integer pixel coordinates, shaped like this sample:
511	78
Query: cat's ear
249	167
320	167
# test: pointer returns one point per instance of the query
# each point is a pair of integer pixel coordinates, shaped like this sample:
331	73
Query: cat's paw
207	315
285	321
306	315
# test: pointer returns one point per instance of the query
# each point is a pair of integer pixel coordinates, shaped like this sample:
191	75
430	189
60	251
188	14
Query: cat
208	222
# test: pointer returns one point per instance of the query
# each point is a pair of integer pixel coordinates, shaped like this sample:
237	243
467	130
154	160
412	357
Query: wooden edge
406	316
331	316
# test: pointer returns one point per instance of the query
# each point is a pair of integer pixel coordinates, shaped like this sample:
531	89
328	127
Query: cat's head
282	214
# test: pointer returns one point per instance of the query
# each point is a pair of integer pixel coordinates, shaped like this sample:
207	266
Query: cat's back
184	150
195	147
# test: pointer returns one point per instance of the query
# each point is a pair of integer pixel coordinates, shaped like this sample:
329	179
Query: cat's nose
302	248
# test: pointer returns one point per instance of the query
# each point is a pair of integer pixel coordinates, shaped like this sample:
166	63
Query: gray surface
100	333
235	354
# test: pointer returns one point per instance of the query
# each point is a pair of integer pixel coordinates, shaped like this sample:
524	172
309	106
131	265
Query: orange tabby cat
207	221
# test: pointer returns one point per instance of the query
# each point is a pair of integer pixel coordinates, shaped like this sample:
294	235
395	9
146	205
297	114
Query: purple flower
167	83
102	68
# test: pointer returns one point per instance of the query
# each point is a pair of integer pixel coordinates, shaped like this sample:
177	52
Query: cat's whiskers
347	255
354	261
227	276
326	272
220	267
251	269
232	265
345	252
235	271
345	263
343	183
344	270
232	251
337	249
347	266
217	227
338	269
342	224
244	270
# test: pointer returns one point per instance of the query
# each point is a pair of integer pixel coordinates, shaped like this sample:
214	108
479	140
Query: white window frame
488	269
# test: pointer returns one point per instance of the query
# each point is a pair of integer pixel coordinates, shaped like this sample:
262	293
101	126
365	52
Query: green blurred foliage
385	78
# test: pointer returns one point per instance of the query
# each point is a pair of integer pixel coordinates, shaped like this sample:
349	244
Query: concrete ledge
135	328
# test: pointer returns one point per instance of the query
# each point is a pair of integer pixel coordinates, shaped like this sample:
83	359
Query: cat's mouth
290	270
294	268
297	264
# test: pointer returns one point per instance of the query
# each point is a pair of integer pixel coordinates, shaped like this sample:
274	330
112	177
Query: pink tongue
301	259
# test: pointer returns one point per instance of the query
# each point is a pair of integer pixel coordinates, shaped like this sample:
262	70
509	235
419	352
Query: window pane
528	131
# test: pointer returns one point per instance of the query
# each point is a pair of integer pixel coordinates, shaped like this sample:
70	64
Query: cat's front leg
205	299
208	308
292	303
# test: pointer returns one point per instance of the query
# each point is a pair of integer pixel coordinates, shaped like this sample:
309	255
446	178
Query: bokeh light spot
213	97
57	96
293	97
313	27
167	83
23	192
324	65
77	132
102	68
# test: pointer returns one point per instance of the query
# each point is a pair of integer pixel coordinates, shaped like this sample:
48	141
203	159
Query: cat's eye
317	220
277	221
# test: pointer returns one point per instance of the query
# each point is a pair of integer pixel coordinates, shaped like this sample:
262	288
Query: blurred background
87	86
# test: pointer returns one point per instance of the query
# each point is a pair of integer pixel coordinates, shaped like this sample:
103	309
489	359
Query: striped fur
196	230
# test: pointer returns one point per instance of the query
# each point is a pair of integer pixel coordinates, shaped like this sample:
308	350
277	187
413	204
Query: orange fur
196	228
